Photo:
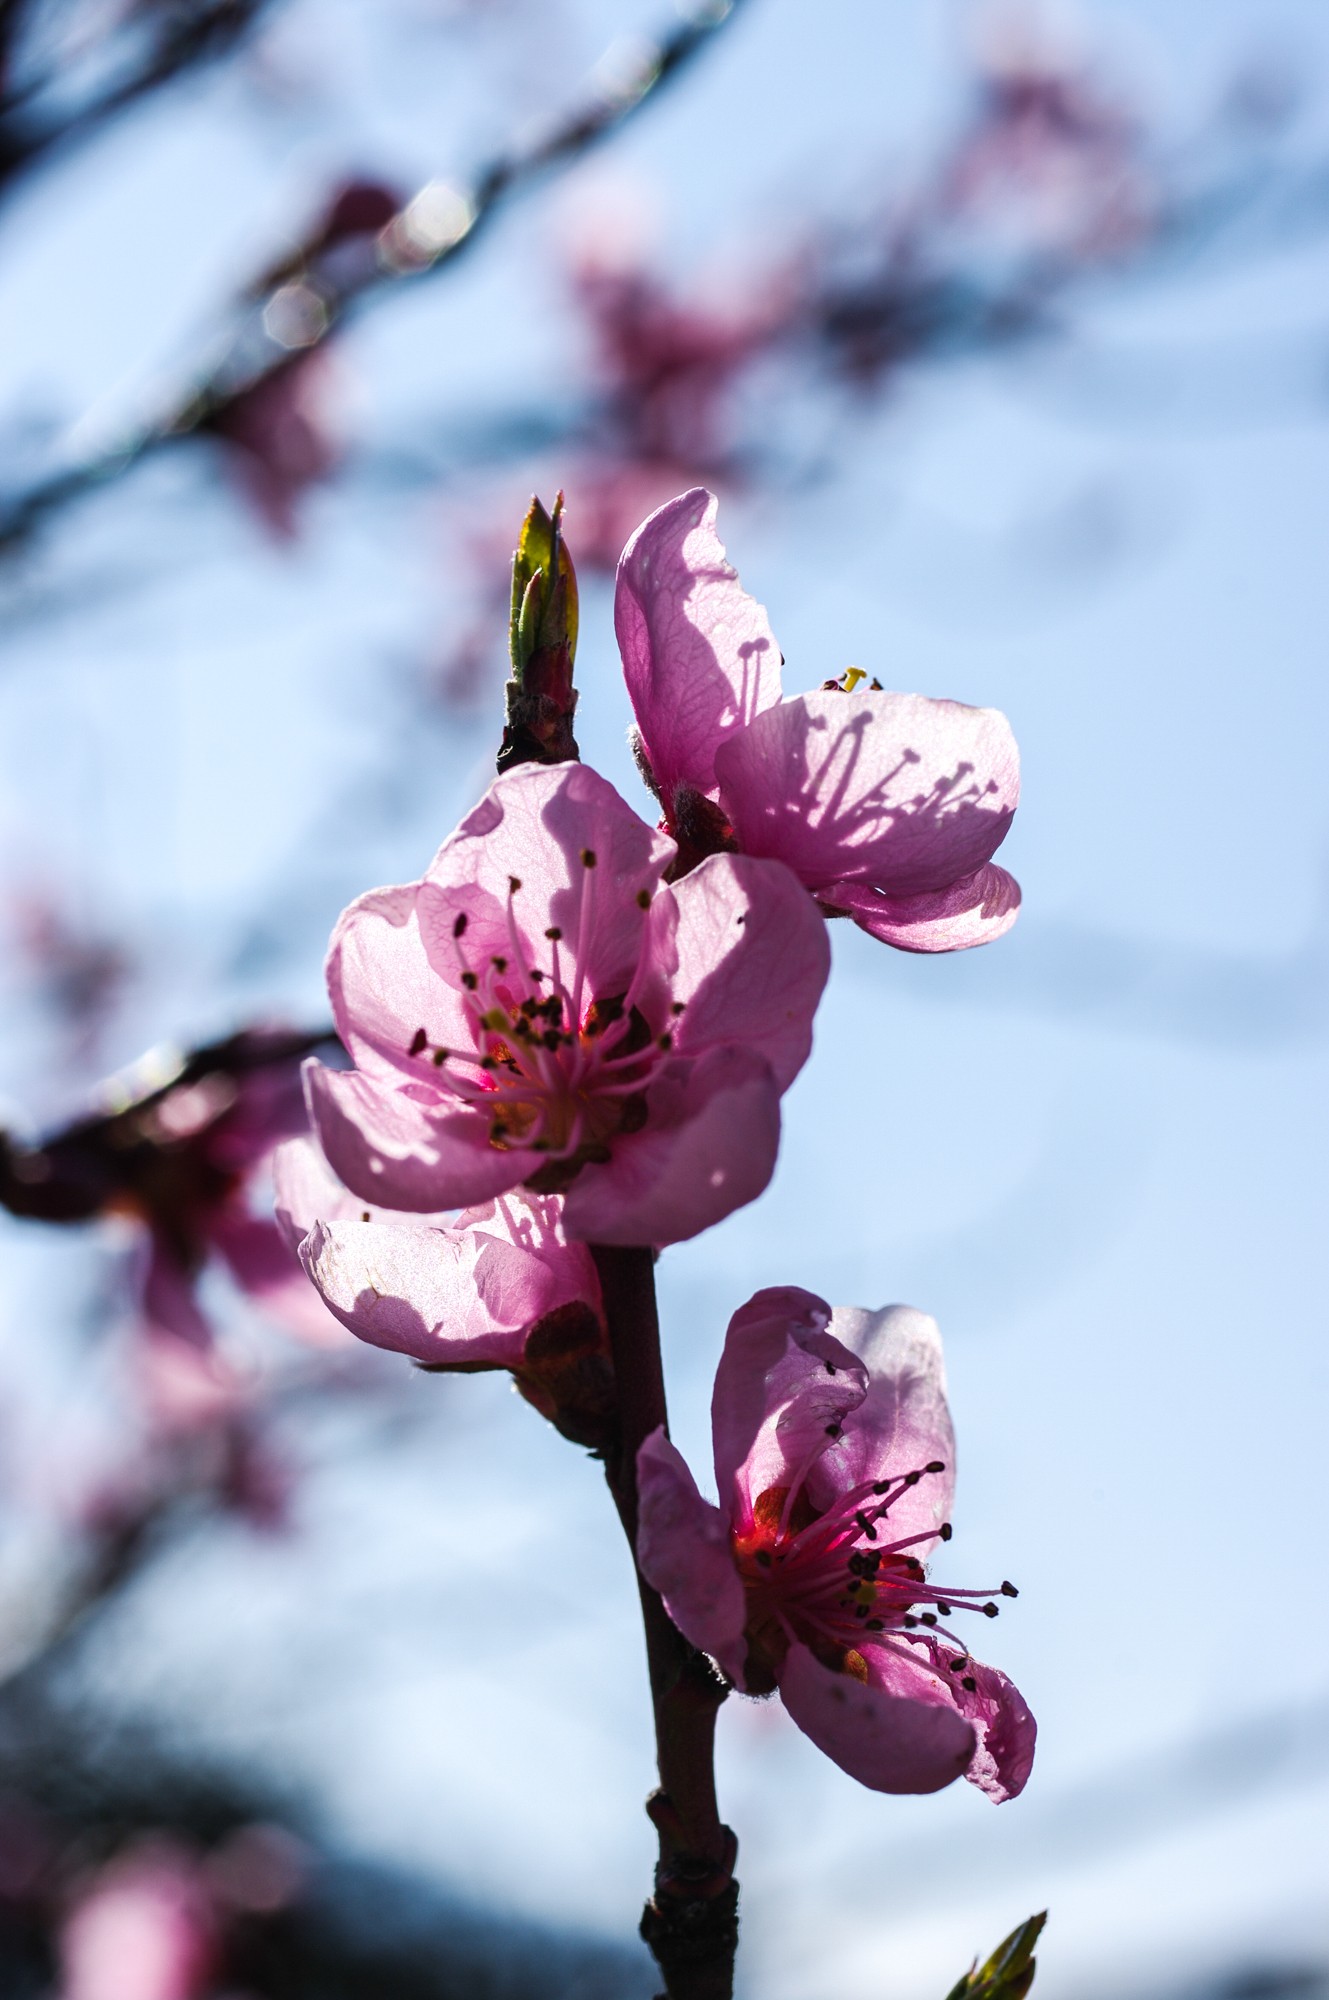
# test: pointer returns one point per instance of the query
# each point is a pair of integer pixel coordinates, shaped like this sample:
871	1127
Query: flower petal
753	959
307	1191
975	910
781	1385
901	1424
425	1291
1005	1729
684	1551
903	793
537	826
401	1154
699	656
709	1146
888	1742
384	990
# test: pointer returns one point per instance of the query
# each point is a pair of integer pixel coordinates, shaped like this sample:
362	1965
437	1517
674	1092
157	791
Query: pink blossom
461	1292
543	1010
144	1929
888	807
833	1459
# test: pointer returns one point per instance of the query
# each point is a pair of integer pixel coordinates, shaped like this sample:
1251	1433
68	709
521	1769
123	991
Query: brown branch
691	1921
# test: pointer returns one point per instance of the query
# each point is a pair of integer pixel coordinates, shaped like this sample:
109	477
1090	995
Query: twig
287	315
691	1921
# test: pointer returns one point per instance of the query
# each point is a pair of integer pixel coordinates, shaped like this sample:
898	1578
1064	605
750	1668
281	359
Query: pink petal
708	1147
534	826
307	1191
784	1384
902	793
902	1423
753	959
384	989
262	1262
684	1552
888	1742
974	910
1004	1729
400	1154
699	656
437	1294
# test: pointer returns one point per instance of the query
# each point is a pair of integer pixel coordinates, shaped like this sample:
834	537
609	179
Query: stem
691	1922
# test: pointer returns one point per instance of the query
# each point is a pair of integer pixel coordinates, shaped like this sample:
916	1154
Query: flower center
552	1067
834	1580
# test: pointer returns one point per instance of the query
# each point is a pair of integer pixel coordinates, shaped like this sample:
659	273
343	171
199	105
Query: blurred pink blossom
143	1928
888	807
833	1461
542	1010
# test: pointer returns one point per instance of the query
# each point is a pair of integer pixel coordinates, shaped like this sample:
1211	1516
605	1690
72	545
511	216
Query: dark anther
665	1042
990	1611
418	1041
936	1465
945	1531
945	1609
643	899
439	1057
364	1215
955	1665
459	924
927	1617
912	1478
910	1620
551	1038
832	1430
514	883
499	964
882	1485
488	1062
553	934
498	1130
860	1611
469	981
830	1368
588	857
970	1683
678	1007
1009	1590
865	1526
876	1625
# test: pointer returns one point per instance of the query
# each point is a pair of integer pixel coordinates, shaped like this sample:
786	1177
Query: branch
287	315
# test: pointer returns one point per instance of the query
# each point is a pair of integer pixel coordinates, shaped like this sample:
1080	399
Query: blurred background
1003	333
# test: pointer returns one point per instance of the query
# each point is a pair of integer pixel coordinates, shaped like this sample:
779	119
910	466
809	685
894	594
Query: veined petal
684	1552
383	987
974	910
901	1423
709	1146
420	1291
585	865
753	959
401	1154
699	656
757	1338
889	1742
782	1391
906	794
1005	1730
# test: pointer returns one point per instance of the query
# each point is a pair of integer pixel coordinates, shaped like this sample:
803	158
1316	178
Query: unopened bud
543	644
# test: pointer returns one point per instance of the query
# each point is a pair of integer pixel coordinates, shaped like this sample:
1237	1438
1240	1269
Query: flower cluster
576	1030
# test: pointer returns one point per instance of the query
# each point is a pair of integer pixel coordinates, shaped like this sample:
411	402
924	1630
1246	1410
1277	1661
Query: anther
865	1525
459	924
882	1485
935	1465
832	1430
499	964
665	1042
991	1610
830	1368
678	1007
970	1684
876	1625
956	1664
927	1617
910	1620
364	1215
418	1041
469	981
945	1609
553	934
912	1478
945	1531
514	883
643	899
1009	1590
439	1057
588	857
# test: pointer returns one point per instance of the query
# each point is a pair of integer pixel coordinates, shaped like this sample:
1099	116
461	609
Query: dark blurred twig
177	36
289	313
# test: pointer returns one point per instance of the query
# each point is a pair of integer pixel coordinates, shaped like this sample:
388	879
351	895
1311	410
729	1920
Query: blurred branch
180	35
289	313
